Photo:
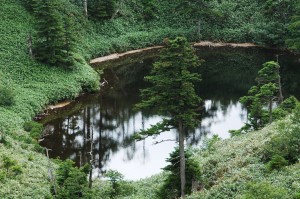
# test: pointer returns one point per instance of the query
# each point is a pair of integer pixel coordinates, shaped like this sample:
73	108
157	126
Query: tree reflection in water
109	115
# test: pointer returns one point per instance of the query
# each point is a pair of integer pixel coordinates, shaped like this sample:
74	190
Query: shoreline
114	56
111	57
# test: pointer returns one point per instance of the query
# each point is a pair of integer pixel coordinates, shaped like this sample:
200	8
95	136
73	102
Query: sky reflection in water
109	116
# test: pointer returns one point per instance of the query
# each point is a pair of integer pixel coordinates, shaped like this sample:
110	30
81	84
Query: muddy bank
220	44
99	60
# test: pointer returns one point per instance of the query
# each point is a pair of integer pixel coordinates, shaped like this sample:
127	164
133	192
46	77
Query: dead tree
51	175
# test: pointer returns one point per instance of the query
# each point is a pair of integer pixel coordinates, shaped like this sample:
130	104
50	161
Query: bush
277	162
171	186
34	128
11	166
286	144
264	190
6	96
4	141
72	181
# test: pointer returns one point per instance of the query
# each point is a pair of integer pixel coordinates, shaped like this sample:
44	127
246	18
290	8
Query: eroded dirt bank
99	60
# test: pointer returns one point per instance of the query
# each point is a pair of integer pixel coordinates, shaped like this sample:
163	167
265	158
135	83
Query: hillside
234	168
34	85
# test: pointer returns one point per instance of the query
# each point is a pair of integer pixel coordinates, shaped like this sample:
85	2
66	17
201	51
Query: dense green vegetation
41	42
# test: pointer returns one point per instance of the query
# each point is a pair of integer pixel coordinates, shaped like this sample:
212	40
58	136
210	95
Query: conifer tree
102	9
171	186
172	94
54	32
294	27
267	91
149	9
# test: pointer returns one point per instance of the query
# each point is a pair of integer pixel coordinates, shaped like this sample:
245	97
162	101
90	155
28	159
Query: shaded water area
109	120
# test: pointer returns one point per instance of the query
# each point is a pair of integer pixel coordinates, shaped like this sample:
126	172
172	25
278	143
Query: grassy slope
233	165
35	85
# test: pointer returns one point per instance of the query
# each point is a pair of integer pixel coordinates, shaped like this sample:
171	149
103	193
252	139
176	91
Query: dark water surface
227	74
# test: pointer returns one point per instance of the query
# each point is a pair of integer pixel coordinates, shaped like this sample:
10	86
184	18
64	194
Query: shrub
286	144
2	175
277	162
12	167
115	179
72	181
6	96
34	128
296	196
171	186
264	190
4	141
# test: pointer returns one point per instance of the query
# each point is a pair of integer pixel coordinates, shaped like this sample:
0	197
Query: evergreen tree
72	181
267	91
149	9
54	32
294	27
171	185
102	9
172	94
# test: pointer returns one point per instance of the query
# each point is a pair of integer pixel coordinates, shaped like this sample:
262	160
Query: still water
108	119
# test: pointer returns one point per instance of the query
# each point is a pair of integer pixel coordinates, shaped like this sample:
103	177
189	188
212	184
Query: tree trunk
280	90
270	110
182	158
85	8
30	45
279	82
91	158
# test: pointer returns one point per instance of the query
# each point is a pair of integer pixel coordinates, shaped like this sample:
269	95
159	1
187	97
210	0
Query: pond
108	119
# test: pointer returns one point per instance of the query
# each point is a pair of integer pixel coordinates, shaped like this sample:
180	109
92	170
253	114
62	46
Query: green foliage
55	33
284	146
172	92
276	162
34	128
4	141
296	196
228	169
264	190
115	179
264	94
209	144
101	9
72	181
7	96
11	166
285	108
35	85
293	42
149	9
171	186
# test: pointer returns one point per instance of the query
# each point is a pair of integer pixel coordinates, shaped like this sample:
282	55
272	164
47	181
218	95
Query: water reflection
105	122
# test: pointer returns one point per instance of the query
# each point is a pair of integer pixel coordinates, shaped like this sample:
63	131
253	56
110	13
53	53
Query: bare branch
167	140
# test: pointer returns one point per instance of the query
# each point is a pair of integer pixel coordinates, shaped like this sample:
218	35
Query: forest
45	50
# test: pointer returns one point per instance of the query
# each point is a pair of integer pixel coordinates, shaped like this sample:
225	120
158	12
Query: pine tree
267	91
149	9
171	186
172	94
102	9
294	27
54	32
